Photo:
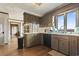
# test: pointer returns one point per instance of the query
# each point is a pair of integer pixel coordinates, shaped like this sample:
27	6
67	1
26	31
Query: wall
21	28
5	26
13	14
46	20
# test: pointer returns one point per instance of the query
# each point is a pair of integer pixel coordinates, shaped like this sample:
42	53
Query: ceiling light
37	4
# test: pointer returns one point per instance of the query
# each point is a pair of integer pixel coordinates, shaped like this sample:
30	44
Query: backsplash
76	30
43	29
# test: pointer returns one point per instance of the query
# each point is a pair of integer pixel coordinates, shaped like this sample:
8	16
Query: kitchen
48	29
59	35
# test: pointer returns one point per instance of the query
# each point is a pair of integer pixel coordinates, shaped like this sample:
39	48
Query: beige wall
5	26
46	20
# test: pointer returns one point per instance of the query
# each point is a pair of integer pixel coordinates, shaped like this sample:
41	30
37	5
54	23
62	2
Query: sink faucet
61	28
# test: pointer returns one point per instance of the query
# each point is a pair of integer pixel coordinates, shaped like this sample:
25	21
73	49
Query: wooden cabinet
47	40
31	40
37	39
64	44
78	46
54	42
41	38
28	40
60	43
73	45
68	45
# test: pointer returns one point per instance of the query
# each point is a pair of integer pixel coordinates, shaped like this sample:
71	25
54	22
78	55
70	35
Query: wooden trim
14	19
25	13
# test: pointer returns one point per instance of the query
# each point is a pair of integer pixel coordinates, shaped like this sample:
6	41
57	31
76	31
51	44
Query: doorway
14	30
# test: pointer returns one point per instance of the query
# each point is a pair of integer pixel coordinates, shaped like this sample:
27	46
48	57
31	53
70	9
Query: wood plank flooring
11	50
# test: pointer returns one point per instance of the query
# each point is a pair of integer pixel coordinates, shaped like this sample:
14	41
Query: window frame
57	20
75	20
65	18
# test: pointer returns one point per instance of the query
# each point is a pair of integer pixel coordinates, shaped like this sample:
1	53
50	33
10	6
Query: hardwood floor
34	51
11	50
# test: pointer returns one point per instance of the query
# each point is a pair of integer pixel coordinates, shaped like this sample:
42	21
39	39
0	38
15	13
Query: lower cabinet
54	42
37	39
28	40
64	44
73	46
69	45
31	40
78	46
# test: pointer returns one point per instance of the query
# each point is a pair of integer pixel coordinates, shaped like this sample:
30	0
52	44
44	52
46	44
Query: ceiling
30	7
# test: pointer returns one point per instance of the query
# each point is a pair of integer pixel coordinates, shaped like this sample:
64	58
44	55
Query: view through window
66	21
71	21
61	22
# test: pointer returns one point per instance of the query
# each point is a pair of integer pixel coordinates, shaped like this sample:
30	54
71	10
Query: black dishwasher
47	40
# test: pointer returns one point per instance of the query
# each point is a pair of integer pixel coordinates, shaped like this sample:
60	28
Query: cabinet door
64	45
78	46
37	39
54	42
73	46
28	40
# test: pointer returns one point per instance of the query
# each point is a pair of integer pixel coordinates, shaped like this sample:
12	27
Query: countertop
69	34
55	33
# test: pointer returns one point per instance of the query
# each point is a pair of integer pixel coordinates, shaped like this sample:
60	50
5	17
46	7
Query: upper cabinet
31	23
28	18
31	28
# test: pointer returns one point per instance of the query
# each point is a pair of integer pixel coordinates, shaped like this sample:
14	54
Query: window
60	20
71	21
66	21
